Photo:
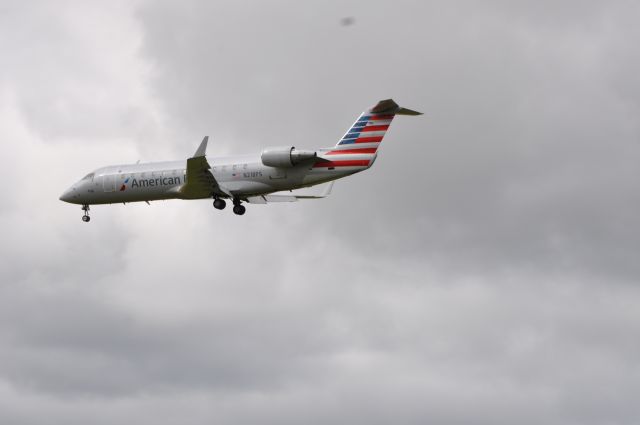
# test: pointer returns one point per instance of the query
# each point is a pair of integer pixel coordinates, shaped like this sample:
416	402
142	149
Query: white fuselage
244	176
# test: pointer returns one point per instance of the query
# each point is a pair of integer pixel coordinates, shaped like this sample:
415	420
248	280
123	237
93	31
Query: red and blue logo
124	185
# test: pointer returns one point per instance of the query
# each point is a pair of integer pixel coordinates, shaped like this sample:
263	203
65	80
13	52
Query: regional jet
277	174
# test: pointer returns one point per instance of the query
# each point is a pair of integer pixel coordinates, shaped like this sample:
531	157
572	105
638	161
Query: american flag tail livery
359	146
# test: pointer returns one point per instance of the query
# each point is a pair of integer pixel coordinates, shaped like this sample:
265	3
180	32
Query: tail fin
366	134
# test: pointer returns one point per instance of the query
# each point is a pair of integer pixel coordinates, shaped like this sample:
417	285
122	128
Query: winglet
327	190
202	148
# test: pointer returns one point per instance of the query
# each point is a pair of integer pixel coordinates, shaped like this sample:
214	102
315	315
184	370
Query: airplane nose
67	195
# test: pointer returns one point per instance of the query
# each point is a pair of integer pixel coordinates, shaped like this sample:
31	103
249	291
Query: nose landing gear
86	217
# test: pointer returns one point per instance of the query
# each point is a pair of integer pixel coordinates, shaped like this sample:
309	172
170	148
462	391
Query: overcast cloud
484	271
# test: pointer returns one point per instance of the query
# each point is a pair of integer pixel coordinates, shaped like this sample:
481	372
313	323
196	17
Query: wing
200	183
290	196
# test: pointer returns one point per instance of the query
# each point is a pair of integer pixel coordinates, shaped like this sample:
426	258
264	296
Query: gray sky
484	271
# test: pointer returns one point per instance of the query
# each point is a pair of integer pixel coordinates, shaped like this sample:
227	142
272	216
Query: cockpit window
88	176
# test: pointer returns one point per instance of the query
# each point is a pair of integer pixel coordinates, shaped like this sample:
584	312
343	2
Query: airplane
277	174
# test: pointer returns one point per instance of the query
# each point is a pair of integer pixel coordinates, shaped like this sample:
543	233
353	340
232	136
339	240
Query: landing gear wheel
239	209
86	218
219	204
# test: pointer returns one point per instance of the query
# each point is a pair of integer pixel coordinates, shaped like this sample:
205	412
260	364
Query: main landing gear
219	204
86	217
238	208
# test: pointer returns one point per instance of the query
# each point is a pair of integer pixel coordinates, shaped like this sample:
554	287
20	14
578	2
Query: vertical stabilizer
359	146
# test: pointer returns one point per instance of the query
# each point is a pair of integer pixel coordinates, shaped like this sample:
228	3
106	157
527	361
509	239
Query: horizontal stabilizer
388	106
405	111
385	107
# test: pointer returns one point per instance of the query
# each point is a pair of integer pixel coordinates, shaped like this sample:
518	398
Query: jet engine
285	156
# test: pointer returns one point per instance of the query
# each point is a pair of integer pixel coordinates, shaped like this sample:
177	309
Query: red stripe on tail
352	163
369	139
375	128
345	151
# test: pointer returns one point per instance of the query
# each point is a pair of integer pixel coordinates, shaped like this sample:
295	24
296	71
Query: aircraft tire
86	218
219	204
239	209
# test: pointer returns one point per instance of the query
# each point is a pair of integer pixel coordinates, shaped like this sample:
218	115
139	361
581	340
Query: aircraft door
109	182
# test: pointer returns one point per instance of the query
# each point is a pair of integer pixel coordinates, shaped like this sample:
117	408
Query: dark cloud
483	271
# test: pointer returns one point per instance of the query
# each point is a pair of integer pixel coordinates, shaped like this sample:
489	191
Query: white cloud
487	261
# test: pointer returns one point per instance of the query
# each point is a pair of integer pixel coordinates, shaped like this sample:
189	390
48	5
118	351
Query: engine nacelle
285	156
